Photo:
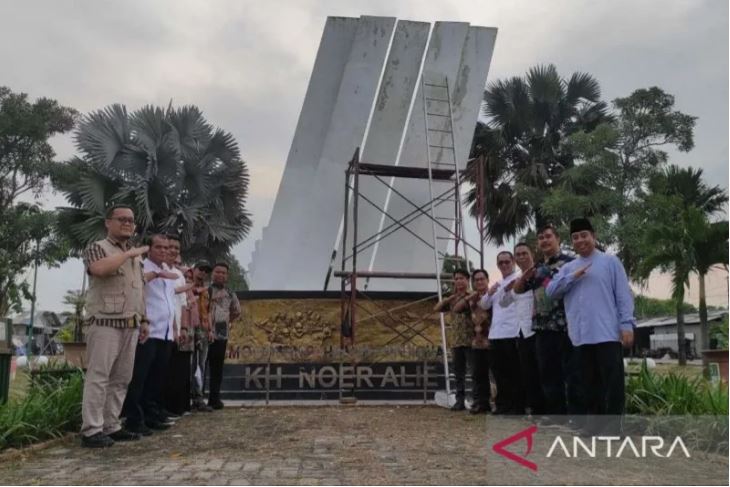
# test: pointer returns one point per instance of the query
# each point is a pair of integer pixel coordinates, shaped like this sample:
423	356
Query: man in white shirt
142	405
503	337
176	395
526	343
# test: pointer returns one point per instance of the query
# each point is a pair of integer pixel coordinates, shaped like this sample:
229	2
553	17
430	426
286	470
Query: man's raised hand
493	289
167	275
138	251
582	271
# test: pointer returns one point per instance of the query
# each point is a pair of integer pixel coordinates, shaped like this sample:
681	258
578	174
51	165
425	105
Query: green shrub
51	408
673	394
65	334
671	405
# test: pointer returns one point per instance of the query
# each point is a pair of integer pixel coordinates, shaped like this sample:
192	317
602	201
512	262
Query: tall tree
179	173
614	163
709	239
678	236
76	299
524	140
27	233
711	249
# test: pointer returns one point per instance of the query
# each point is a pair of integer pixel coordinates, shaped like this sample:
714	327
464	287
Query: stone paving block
288	472
240	481
250	467
268	473
214	464
400	451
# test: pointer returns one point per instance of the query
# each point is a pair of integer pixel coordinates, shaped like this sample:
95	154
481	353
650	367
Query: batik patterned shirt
549	313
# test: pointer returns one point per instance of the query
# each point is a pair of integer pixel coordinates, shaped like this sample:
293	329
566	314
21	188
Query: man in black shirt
556	356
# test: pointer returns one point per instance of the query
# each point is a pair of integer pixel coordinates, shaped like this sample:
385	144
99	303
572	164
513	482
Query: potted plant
718	352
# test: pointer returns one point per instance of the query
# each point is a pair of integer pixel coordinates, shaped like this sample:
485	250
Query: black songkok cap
580	224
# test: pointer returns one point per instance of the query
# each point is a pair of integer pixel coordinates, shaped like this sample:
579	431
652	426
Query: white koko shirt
160	302
511	313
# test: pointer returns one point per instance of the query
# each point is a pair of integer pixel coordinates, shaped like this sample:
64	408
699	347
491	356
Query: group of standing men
154	326
551	332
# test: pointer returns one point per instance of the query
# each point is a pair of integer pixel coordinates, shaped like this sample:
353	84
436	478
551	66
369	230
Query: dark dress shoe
203	408
99	440
458	406
156	425
169	415
479	409
140	429
216	404
125	435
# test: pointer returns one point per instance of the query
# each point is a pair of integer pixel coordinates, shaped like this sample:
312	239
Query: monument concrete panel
305	152
316	224
366	72
388	123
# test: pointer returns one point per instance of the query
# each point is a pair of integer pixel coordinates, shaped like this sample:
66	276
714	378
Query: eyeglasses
504	262
123	220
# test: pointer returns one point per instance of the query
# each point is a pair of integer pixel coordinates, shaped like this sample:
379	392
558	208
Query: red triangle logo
499	448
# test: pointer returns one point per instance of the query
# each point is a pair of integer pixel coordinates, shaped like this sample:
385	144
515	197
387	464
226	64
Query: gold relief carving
301	330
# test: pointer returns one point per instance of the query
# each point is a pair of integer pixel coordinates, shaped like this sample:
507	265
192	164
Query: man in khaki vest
116	311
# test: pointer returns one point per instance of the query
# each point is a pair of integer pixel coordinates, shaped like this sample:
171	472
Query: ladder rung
446	218
432	84
438	115
452	258
439	130
436	99
443	164
441	146
447	238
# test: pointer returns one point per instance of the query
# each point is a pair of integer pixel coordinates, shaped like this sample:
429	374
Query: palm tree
528	121
679	237
667	245
710	250
76	299
710	239
180	174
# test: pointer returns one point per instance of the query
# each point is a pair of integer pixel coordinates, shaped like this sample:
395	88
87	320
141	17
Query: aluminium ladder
439	129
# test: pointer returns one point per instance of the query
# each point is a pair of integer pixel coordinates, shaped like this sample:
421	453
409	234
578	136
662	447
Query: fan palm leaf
179	173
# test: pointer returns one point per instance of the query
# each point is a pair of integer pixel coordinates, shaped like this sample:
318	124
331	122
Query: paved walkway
337	445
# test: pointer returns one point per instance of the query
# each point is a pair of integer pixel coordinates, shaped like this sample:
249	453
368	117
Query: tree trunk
704	327
682	350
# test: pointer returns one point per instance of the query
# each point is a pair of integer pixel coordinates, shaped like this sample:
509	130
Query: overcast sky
246	64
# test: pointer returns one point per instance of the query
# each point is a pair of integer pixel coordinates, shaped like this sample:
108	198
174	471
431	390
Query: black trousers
216	357
480	377
460	359
603	376
144	395
534	397
506	369
561	373
176	397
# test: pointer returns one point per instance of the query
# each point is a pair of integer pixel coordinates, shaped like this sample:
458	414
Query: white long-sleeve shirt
511	313
160	302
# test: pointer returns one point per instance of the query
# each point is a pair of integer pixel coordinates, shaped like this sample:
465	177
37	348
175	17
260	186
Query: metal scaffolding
350	274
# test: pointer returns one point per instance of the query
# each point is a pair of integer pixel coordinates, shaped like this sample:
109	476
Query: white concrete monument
361	94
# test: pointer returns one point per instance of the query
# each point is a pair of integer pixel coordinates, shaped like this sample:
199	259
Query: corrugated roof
689	319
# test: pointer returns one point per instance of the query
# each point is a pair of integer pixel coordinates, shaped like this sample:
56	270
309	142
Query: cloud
247	64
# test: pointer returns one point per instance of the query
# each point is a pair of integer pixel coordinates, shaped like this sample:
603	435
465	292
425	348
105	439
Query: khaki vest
120	295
